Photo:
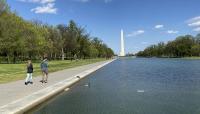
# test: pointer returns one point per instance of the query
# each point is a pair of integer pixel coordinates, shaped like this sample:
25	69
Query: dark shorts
45	71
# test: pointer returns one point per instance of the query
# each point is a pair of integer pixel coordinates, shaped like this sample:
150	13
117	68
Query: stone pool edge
22	105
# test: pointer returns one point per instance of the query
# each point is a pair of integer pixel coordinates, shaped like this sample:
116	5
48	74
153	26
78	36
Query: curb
22	105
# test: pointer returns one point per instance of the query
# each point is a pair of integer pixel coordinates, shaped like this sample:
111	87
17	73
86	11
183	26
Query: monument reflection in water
133	86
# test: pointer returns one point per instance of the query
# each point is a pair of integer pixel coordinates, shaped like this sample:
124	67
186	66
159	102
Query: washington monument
122	52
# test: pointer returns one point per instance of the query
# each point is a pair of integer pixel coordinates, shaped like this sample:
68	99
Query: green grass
13	72
191	58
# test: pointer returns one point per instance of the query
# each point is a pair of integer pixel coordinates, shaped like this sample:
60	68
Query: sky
145	22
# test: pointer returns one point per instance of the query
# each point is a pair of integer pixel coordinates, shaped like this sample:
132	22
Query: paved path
16	90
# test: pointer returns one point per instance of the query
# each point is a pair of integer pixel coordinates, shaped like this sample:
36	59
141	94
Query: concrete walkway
16	93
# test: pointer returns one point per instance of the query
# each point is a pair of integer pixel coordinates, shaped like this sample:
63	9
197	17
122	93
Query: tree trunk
63	54
55	56
8	59
14	58
51	55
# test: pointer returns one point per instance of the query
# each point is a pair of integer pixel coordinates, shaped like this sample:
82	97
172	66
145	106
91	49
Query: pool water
133	86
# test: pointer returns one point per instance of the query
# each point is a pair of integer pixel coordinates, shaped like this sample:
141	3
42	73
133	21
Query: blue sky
144	22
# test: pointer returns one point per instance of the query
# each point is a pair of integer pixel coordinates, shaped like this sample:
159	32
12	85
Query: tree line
182	46
21	39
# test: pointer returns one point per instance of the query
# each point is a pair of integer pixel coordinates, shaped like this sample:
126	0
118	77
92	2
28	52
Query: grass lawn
191	57
13	72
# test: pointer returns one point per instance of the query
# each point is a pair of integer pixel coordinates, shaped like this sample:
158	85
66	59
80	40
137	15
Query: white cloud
159	26
38	1
135	33
144	43
34	1
83	1
194	19
47	1
172	32
195	23
197	29
47	8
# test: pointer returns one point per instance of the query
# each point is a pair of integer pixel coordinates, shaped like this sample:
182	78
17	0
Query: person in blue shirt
44	69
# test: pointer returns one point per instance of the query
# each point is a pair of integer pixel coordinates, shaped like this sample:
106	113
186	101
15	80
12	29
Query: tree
195	50
62	31
180	47
4	7
21	39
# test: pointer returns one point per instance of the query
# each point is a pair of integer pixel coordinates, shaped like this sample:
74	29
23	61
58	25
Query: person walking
29	73
44	69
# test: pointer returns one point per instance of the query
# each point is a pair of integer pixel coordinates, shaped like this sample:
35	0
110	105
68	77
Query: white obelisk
122	52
